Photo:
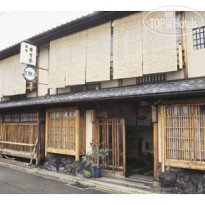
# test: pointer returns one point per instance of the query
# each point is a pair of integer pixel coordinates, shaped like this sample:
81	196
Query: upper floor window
199	38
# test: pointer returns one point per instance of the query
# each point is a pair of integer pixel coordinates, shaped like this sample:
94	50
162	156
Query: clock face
29	74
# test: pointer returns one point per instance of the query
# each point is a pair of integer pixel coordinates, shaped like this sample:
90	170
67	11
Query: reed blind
12	81
19	81
127	47
1	79
9	70
57	63
185	133
159	47
98	53
76	58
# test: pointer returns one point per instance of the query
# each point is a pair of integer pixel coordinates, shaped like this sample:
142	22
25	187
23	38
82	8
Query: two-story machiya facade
106	76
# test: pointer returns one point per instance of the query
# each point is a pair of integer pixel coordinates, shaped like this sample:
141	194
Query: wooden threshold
61	151
185	164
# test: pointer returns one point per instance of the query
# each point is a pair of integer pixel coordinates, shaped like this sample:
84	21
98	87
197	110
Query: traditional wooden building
106	76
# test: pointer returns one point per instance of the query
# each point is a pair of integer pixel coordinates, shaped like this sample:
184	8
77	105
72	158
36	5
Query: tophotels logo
30	74
168	20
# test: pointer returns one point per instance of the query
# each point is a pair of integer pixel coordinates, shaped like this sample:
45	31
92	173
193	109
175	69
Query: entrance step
141	178
135	185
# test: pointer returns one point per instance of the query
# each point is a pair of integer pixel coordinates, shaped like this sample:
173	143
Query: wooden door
112	132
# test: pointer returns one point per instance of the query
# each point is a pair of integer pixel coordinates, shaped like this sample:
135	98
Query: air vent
151	78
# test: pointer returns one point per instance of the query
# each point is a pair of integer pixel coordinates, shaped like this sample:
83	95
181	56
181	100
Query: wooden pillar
155	133
39	138
46	133
124	148
155	140
77	137
1	135
162	114
93	120
184	47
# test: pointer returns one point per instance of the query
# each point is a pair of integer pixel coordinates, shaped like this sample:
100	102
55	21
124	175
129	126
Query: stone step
126	183
118	188
141	179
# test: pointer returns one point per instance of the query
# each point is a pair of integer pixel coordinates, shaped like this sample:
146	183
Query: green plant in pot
87	173
97	155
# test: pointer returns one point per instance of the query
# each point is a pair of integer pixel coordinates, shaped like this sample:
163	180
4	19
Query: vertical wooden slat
162	138
203	137
194	133
189	124
115	138
94	126
118	146
113	132
124	148
108	163
155	132
46	133
38	137
77	139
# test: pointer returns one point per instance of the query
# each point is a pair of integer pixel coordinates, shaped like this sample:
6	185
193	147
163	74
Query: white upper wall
195	58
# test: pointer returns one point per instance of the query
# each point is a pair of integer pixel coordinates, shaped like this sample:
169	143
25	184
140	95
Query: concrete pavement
18	182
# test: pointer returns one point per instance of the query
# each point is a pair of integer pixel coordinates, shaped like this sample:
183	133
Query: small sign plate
29	74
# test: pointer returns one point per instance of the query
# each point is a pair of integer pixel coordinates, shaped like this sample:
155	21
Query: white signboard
28	54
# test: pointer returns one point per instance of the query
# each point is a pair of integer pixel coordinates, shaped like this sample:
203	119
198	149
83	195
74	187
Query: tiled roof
174	87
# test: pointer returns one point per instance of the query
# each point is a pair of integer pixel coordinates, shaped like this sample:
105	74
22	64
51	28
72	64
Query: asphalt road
17	182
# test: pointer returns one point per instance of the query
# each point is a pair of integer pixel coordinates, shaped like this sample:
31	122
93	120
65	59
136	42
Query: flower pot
87	175
96	172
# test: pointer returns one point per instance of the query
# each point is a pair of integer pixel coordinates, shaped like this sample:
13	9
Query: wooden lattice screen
112	133
22	135
65	132
183	136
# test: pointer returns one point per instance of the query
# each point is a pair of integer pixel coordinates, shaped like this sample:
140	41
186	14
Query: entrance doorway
128	137
139	144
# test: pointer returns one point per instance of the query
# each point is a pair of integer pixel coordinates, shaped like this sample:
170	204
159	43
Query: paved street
17	182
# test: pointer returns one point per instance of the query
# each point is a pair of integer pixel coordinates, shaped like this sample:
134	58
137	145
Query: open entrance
129	137
139	144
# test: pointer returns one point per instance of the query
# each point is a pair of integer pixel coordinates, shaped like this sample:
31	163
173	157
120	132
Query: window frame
198	38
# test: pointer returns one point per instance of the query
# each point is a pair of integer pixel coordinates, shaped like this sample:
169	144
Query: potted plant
87	173
94	158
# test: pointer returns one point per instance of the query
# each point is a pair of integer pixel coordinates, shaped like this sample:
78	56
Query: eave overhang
180	87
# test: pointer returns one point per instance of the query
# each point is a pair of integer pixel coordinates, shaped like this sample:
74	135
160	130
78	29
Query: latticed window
62	129
65	132
185	133
20	117
199	38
